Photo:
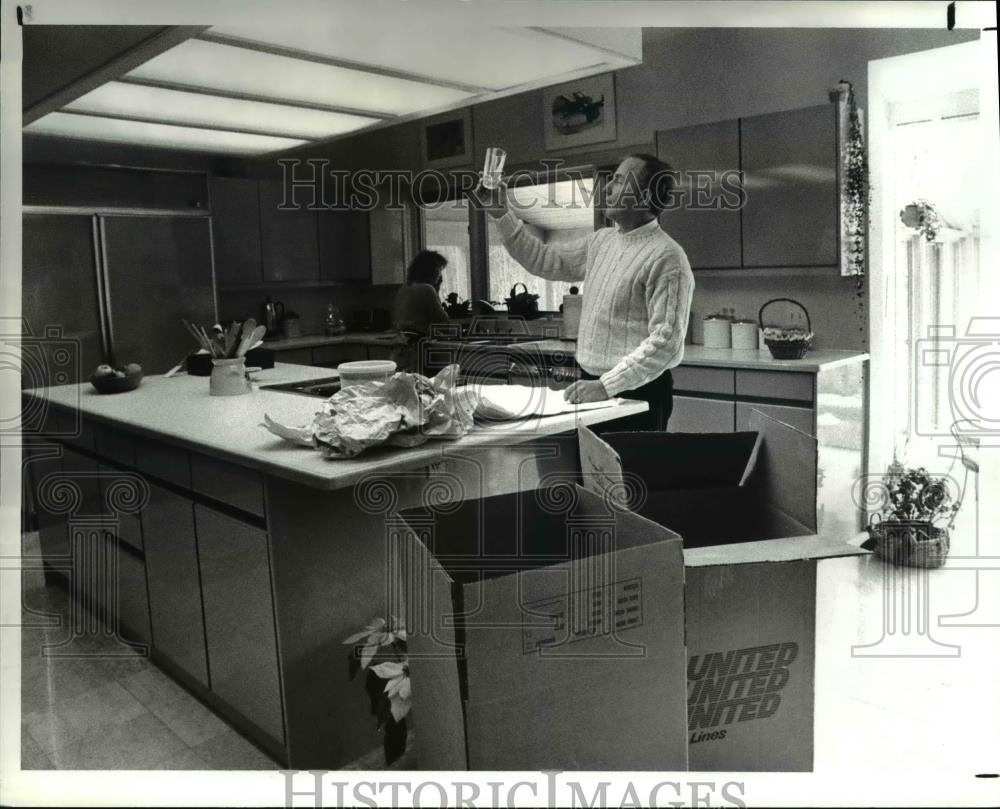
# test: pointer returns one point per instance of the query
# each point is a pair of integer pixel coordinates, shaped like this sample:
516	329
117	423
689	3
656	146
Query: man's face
622	192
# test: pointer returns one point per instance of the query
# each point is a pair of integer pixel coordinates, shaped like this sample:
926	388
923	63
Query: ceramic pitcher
229	377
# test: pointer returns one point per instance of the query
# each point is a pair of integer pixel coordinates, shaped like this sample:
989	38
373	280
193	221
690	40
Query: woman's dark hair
425	267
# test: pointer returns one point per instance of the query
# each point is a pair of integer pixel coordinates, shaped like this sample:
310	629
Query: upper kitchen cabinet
289	243
389	245
706	222
236	231
344	248
791	214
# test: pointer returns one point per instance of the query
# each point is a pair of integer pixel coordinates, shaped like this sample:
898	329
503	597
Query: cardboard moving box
745	506
546	631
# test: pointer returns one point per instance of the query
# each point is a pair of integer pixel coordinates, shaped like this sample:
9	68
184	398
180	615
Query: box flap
600	466
787	468
786	549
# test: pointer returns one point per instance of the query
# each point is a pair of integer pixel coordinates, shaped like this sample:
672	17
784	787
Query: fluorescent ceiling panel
223	67
90	127
493	58
195	109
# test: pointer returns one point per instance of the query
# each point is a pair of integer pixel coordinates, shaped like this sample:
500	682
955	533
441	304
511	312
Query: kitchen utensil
354	373
229	377
745	335
717	332
251	340
274	313
786	343
493	167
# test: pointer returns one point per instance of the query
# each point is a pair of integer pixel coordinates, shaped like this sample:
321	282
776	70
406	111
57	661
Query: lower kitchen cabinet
129	607
239	617
801	418
692	414
174	589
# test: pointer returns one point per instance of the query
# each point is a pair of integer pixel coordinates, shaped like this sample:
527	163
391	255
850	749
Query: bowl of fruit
107	379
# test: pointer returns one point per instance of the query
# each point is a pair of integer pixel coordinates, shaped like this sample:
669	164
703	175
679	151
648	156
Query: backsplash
837	319
309	303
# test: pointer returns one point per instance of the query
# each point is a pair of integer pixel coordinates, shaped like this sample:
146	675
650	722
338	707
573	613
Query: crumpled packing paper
405	410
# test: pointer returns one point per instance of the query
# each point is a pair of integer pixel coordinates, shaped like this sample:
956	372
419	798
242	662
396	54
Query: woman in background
418	305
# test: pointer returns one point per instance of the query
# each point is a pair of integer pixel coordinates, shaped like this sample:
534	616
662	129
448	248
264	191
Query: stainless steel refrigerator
112	288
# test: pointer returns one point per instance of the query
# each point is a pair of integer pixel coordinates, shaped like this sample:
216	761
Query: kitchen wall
691	76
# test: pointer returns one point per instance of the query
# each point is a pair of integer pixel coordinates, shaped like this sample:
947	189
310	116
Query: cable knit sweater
635	304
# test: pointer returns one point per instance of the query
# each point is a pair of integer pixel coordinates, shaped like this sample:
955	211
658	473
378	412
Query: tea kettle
273	314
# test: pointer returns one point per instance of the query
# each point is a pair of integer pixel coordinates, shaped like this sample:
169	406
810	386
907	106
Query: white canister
717	332
572	307
229	377
744	335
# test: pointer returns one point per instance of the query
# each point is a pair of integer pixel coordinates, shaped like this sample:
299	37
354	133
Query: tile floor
113	709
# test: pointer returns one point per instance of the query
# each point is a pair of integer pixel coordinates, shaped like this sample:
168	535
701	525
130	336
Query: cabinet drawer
703	380
228	483
694	415
239	617
801	418
116	445
336	354
163	461
775	385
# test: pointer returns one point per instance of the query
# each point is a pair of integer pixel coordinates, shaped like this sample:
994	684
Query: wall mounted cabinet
344	246
289	241
791	212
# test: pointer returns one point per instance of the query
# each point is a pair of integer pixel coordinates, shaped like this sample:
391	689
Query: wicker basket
913	544
796	344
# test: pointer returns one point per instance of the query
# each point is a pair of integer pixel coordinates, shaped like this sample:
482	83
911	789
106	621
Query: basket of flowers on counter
786	342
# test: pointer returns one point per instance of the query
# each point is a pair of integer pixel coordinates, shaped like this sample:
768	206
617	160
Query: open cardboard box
546	631
745	506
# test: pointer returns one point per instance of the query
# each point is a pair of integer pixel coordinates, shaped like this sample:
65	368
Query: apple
133	368
104	370
119	374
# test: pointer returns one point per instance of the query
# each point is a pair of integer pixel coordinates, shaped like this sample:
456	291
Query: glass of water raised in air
493	167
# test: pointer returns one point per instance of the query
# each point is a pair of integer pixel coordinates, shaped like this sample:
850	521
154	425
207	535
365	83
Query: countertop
378	338
813	362
180	410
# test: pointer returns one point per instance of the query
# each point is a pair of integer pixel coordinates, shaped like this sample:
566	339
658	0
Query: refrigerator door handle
103	293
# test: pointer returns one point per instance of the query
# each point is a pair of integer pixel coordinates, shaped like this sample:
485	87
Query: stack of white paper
510	402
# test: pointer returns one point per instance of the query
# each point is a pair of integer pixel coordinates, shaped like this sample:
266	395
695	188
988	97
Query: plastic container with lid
354	373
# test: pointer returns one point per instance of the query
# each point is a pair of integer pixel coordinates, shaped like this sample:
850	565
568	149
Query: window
446	231
554	212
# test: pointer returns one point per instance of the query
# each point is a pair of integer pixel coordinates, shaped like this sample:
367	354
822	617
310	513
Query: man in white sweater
638	289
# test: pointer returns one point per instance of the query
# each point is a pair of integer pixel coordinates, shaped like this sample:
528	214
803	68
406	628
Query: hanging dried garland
855	193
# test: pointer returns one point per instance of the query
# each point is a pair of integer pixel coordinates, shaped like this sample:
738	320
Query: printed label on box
740	685
584	614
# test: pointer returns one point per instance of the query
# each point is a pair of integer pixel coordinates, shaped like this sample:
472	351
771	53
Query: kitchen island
243	561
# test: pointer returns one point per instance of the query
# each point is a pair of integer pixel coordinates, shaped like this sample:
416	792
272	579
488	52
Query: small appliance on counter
572	306
718	331
333	324
291	325
745	335
272	313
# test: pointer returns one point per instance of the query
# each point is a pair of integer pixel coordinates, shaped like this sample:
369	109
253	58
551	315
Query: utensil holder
229	377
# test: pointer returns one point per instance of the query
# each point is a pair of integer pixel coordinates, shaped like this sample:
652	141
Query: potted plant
905	531
922	216
379	650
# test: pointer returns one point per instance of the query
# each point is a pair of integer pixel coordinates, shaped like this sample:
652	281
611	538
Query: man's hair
657	177
425	267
